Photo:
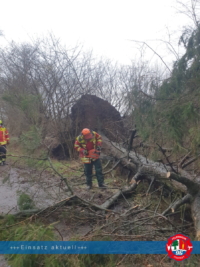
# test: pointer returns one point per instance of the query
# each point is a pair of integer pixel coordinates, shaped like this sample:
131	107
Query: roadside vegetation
40	82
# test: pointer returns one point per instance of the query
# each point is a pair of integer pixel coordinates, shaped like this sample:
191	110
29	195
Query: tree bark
144	168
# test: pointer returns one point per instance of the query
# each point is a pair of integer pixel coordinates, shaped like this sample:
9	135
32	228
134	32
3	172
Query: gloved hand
99	148
85	152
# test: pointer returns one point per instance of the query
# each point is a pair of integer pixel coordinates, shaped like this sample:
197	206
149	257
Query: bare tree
191	9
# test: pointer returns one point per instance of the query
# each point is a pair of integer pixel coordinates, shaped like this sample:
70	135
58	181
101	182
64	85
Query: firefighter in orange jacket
85	142
4	140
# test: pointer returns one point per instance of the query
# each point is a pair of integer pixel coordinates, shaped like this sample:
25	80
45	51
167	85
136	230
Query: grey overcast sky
105	26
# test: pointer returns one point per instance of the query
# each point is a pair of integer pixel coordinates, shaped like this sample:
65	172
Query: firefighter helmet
87	133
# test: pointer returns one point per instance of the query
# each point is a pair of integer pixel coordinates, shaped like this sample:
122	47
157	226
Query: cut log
144	168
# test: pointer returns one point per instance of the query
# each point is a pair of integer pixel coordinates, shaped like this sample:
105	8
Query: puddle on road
43	189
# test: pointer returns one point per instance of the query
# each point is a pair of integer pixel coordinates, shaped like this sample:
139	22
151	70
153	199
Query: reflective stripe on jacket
4	136
80	145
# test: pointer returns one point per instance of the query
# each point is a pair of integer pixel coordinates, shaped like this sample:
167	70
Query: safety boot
103	186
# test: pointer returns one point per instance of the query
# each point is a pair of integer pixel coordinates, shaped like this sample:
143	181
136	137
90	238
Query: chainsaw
93	154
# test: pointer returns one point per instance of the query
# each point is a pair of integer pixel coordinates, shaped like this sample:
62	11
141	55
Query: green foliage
25	260
29	232
84	260
36	163
20	231
31	143
34	232
40	232
172	116
11	229
25	202
29	104
99	260
194	134
58	261
9	219
31	139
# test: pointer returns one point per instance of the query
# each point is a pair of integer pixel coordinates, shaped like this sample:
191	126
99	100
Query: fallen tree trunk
144	168
123	191
72	200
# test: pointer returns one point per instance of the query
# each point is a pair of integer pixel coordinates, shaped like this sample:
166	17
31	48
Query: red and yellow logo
179	247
